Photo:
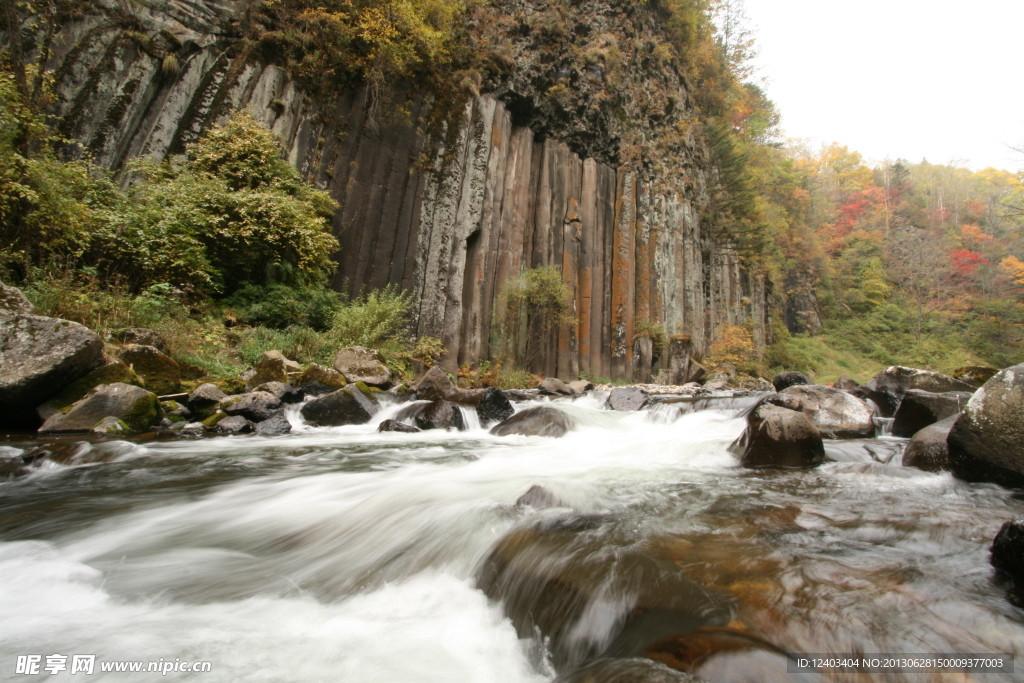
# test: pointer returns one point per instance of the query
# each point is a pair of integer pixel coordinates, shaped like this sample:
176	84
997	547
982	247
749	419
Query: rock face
536	421
927	449
784	380
778	437
346	406
628	399
987	441
134	406
106	374
1008	550
888	387
14	302
836	414
160	372
40	356
918	409
360	364
317	380
494	407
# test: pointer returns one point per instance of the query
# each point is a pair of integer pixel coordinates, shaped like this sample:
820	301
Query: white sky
915	79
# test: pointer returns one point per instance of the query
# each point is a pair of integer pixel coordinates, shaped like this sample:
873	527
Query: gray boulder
134	406
160	372
110	426
434	386
285	393
778	437
110	373
433	415
41	356
784	380
552	386
536	421
835	413
628	399
360	364
494	407
266	370
204	400
846	383
189	429
927	449
290	366
918	409
987	442
254	406
317	380
396	426
347	406
14	302
888	387
233	424
274	426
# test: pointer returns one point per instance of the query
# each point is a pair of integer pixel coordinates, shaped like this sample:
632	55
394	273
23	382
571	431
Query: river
343	554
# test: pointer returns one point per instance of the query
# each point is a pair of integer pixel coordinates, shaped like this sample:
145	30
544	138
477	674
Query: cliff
451	202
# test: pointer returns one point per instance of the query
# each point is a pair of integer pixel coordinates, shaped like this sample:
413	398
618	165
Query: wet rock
538	498
160	373
628	399
784	380
175	411
143	336
14	302
274	426
835	413
396	426
582	386
268	369
135	406
888	387
110	426
38	358
987	442
927	449
975	375
189	429
317	380
918	409
493	407
434	386
255	406
285	393
205	399
779	437
360	364
1008	550
631	670
440	415
520	395
536	421
346	406
846	383
233	424
110	373
553	386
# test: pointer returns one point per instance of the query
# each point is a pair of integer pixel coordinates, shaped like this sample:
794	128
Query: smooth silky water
343	554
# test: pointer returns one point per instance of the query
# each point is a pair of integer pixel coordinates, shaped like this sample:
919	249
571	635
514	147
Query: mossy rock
161	373
133	405
170	406
229	385
107	374
111	426
212	421
368	391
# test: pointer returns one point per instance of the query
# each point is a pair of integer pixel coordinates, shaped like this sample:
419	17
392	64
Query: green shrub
534	306
280	306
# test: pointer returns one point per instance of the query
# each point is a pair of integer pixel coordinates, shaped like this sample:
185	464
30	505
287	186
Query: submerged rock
160	372
538	498
835	413
536	421
360	364
779	437
134	406
918	409
628	399
987	441
396	426
347	406
927	449
784	380
1008	550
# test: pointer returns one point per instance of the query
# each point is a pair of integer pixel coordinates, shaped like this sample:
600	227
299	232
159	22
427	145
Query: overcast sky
914	79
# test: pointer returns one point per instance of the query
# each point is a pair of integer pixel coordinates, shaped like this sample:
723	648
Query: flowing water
343	554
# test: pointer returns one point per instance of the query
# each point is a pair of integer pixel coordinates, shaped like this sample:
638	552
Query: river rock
233	424
267	369
144	336
628	399
396	426
493	407
346	406
835	413
175	411
274	426
160	372
888	387
552	386
189	429
784	380
440	415
987	442
845	383
779	437
536	421
39	357
360	364
254	406
975	375
290	366
927	449
434	386
582	386
285	393
918	409
1008	550
538	498
520	395
14	302
110	426
133	405
317	380
110	373
203	401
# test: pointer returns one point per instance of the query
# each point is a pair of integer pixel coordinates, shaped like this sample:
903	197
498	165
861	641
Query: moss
176	418
212	421
145	412
170	406
118	427
367	391
229	385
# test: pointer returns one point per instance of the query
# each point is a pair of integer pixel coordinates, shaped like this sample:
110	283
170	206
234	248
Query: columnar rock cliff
450	215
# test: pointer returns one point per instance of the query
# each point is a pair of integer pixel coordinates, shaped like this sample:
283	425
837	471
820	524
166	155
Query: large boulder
835	413
784	380
1008	550
233	424
360	364
581	386
536	421
266	370
274	426
290	366
40	356
918	409
14	302
927	449
317	380
432	415
203	401
628	399
779	437
110	373
888	387
160	372
493	407
552	386
434	386
846	383
254	406
134	406
987	441
347	406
